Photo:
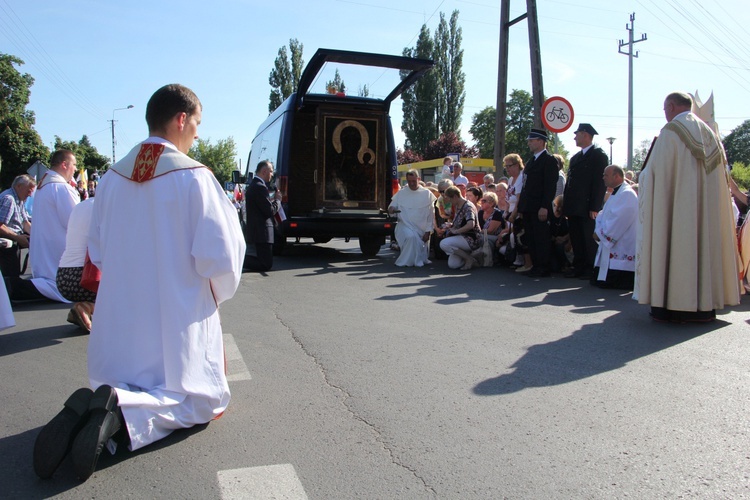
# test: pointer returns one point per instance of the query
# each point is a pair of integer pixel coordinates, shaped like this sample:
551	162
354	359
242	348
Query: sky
92	58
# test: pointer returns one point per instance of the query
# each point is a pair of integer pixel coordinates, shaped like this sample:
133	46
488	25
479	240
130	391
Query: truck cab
334	153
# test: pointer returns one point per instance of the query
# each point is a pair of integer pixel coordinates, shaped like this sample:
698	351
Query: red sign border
544	117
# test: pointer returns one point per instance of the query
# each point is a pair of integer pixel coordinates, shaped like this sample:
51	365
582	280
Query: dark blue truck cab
334	154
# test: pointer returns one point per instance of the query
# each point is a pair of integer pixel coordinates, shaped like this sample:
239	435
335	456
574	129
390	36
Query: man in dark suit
535	203
584	196
260	209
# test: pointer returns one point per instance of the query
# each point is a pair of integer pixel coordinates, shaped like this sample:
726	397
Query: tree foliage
737	144
741	174
639	155
450	143
20	144
86	154
483	131
556	146
434	105
286	72
449	56
404	156
520	119
419	122
219	157
335	85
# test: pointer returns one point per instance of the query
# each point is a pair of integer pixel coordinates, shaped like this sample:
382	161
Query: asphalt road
352	378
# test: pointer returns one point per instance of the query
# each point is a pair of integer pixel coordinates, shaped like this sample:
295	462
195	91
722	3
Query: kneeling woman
462	236
71	266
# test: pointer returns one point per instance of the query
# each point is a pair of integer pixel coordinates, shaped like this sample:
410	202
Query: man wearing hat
584	196
535	203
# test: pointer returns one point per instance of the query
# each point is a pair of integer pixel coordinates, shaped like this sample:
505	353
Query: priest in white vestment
416	216
615	231
686	256
53	202
170	249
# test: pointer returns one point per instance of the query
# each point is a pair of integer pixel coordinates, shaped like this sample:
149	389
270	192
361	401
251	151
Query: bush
741	175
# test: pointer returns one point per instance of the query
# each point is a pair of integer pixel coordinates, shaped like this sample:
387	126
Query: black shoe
573	274
586	275
105	419
56	438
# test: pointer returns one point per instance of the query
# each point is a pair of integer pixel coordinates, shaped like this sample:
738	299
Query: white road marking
236	367
278	482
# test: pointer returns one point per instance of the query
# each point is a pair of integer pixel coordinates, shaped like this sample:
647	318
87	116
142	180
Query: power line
24	40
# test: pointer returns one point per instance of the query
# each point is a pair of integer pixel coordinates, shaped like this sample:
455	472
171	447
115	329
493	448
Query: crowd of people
155	358
589	222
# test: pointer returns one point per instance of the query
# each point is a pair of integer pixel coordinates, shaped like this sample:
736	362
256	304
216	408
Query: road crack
345	403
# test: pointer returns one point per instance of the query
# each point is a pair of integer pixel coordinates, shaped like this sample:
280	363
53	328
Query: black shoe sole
102	424
55	440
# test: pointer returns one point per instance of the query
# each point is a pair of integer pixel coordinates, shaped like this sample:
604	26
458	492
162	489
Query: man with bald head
686	252
614	265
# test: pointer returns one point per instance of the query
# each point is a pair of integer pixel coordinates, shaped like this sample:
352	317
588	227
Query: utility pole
502	72
112	123
537	89
630	55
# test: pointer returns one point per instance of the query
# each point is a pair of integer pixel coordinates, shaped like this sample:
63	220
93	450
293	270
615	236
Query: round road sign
557	114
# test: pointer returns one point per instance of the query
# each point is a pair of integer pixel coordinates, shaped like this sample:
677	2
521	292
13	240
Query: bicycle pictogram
557	113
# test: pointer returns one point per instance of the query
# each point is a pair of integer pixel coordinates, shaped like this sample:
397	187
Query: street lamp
112	121
610	140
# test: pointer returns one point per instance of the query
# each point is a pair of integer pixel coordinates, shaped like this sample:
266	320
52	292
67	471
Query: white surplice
416	218
616	227
6	311
53	202
170	248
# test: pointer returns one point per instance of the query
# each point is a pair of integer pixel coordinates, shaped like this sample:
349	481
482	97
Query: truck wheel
370	245
322	239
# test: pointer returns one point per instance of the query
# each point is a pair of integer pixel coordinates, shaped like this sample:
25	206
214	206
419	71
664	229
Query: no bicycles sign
557	114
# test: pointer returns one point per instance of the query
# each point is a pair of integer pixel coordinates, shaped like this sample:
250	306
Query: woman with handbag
73	267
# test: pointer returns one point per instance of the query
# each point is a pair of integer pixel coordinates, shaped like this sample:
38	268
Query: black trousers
21	289
262	261
537	238
10	261
582	241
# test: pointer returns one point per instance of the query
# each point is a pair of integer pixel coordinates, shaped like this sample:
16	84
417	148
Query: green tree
450	143
219	158
737	144
482	129
448	56
335	85
419	121
639	155
20	144
556	146
519	120
285	75
87	155
741	175
404	156
364	91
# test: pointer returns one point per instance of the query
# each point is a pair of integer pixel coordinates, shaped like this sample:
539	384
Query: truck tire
322	239
370	245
